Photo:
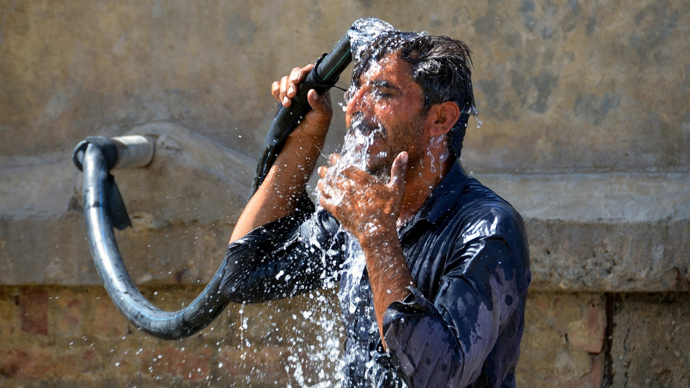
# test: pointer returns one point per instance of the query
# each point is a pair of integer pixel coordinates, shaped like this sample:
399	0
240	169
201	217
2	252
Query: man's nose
359	102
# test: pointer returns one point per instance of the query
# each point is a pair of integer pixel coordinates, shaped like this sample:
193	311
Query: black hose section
335	62
322	77
115	205
112	271
107	147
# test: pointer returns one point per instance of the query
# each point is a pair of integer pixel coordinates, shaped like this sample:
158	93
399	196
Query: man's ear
442	117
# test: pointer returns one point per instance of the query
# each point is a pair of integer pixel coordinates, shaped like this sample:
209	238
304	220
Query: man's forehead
389	70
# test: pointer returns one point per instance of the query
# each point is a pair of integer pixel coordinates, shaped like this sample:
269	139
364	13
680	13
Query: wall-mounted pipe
135	151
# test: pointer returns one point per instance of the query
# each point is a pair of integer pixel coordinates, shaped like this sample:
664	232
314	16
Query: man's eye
378	93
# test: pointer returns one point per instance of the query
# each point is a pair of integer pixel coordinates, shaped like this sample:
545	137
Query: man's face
386	109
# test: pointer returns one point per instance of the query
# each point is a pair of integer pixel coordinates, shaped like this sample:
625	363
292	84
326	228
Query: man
441	300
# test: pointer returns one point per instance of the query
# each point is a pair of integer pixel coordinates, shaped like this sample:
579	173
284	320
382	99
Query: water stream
325	361
361	134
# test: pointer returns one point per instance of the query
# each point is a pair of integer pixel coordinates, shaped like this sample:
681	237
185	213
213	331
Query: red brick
108	322
256	364
9	314
587	333
20	364
66	314
33	310
189	364
127	361
593	379
80	361
561	333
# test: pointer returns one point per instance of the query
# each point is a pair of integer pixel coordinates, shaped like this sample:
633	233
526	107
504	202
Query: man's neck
420	181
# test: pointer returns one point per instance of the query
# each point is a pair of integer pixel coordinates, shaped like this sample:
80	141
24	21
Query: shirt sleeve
444	341
283	258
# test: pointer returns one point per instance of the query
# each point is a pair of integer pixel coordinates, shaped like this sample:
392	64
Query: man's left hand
363	204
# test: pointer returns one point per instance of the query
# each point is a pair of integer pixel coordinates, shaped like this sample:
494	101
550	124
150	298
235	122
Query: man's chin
379	170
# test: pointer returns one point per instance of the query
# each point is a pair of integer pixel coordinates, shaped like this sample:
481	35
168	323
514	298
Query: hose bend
104	207
123	292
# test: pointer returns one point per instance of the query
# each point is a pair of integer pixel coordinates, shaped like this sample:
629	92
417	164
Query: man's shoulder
483	213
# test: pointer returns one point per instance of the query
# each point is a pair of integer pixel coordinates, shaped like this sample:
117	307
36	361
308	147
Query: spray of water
355	152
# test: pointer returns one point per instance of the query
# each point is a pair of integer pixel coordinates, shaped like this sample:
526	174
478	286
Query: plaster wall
585	115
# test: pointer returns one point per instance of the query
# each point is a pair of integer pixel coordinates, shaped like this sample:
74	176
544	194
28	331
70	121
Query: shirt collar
441	199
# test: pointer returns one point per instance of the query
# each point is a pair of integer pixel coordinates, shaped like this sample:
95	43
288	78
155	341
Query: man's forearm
388	272
278	195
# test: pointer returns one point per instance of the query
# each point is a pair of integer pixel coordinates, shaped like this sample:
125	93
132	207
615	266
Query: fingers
319	184
333	159
327	204
286	89
326	196
278	90
299	74
283	92
275	90
359	176
323	170
320	104
398	171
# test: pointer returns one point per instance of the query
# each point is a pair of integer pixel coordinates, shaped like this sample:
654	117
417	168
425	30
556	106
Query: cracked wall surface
650	340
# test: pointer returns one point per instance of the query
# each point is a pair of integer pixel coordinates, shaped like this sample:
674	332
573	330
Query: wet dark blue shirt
462	323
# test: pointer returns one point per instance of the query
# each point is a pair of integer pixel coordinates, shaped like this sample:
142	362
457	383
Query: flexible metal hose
123	292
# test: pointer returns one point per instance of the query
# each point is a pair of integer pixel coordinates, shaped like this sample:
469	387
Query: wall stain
548	21
366	3
490	89
569	22
534	92
7	10
683	88
487	25
527	10
156	10
315	15
545	83
594	109
654	25
240	30
591	26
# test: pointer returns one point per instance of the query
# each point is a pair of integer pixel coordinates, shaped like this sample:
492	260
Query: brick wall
74	336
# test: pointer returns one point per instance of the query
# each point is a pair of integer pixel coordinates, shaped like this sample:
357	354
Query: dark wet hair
440	65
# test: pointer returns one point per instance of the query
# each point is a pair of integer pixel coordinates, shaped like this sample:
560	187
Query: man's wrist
304	145
299	156
378	233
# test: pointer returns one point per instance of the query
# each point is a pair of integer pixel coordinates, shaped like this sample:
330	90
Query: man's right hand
279	194
315	124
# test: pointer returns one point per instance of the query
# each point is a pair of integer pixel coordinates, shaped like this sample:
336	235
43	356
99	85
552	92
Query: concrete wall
586	125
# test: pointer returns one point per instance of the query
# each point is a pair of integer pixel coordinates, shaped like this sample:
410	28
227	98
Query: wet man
439	299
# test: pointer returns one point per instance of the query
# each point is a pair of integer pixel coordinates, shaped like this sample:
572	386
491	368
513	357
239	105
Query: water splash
363	32
436	142
356	152
479	122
